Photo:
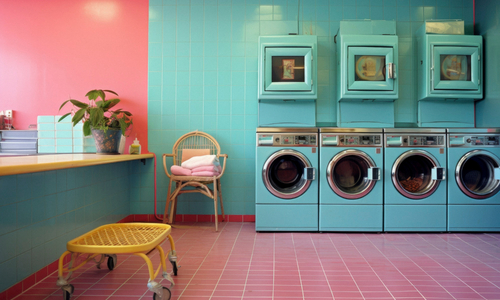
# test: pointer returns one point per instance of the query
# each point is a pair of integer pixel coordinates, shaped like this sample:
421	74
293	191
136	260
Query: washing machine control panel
476	141
290	140
350	140
415	140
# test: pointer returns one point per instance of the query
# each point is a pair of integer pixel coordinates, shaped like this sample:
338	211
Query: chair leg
165	213
221	204
171	216
215	204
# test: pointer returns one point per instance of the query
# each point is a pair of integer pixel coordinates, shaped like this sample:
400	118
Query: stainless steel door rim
298	186
410	186
356	184
482	183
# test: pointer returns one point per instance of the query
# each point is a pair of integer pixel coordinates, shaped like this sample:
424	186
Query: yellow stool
107	240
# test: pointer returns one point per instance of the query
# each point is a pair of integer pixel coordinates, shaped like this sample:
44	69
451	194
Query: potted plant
101	119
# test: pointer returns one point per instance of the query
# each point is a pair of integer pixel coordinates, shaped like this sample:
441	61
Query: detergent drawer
276	217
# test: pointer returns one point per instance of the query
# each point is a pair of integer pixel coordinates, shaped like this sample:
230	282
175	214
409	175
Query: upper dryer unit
288	68
450	65
367	53
367	81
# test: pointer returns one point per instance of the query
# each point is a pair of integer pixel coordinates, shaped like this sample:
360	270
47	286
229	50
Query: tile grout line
395	267
364	258
225	265
249	265
459	263
298	266
201	263
321	264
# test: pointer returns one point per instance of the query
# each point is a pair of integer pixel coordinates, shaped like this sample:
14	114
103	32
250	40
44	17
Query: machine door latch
438	173
374	173
391	70
309	173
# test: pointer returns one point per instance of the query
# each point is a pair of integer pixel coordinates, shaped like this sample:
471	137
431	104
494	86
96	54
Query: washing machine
286	185
351	187
414	169
474	179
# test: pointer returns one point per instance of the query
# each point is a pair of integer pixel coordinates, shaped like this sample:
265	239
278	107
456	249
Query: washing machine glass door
416	174
283	174
352	174
478	174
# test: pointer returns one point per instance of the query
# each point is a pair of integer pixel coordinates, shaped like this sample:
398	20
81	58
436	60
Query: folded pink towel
180	171
199	161
205	174
207	168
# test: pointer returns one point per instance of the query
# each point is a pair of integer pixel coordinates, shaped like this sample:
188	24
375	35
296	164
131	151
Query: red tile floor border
239	263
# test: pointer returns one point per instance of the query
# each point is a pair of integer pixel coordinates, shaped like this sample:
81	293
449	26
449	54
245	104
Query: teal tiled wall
488	20
41	212
203	73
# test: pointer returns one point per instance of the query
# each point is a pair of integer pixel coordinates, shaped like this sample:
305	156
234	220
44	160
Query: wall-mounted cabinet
288	67
367	73
449	76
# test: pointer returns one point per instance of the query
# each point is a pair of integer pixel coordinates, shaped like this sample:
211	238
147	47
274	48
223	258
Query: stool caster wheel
112	260
67	291
166	295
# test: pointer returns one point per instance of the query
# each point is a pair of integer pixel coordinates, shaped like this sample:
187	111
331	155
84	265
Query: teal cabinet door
455	68
370	68
288	69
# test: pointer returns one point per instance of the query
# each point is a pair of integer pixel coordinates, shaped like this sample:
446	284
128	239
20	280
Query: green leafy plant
98	114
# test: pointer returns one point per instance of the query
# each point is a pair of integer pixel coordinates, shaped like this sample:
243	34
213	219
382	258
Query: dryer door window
288	69
412	174
455	68
370	69
283	174
348	174
478	174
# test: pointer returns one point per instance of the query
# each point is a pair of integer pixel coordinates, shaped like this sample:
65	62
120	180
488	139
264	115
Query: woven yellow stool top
120	238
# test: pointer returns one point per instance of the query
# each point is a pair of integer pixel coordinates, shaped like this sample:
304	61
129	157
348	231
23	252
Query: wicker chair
201	143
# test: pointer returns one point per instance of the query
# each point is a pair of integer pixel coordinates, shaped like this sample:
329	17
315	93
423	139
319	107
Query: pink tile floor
238	263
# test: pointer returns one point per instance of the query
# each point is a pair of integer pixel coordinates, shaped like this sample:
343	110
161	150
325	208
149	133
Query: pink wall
52	50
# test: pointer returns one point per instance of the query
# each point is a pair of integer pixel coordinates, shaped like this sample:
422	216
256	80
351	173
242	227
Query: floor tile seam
220	276
364	258
385	256
321	264
432	245
475	248
127	281
298	266
345	265
249	266
201	263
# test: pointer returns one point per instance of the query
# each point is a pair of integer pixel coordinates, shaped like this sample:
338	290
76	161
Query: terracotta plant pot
107	142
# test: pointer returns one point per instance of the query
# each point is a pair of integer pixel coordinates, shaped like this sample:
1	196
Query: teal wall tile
46	126
7	186
64	126
7	271
209	76
46	119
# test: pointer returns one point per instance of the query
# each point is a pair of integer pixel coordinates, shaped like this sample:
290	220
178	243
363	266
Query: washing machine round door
413	176
478	174
283	174
350	174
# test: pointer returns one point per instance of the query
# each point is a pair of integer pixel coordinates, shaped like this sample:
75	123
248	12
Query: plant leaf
113	102
62	118
78	103
64	103
110	91
78	116
92	95
86	128
101	94
123	126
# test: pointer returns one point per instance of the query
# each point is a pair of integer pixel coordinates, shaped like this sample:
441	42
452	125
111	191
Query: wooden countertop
38	163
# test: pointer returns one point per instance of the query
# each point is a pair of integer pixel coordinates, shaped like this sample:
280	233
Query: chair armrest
223	165
165	163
